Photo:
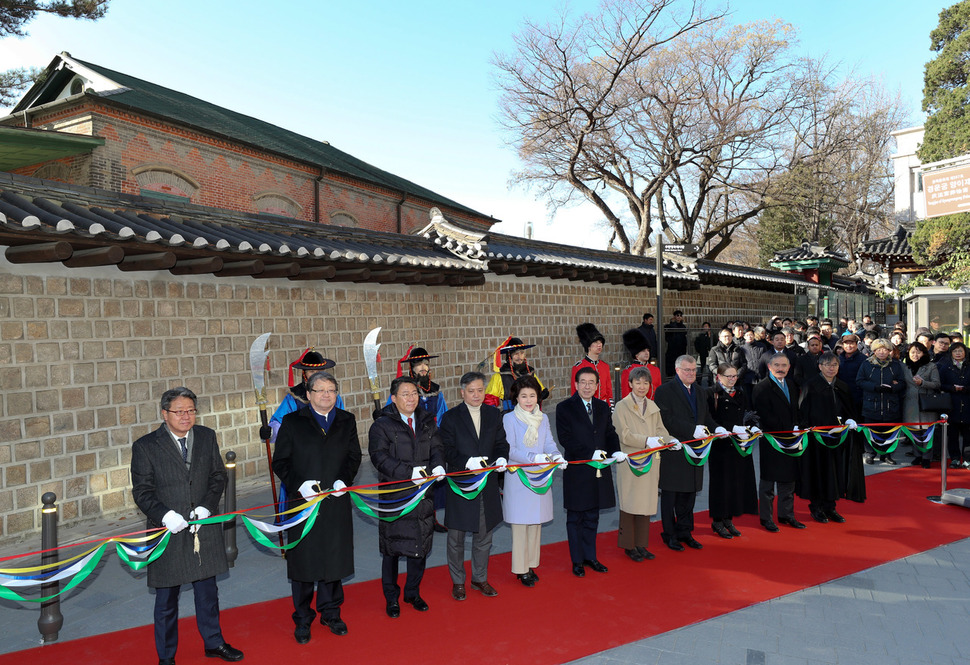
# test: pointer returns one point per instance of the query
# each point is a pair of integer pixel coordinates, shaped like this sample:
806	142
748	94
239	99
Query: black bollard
230	527
51	619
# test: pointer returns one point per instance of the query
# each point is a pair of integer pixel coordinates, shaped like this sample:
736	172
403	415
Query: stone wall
85	354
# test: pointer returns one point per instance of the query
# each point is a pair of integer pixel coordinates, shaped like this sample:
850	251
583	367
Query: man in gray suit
177	473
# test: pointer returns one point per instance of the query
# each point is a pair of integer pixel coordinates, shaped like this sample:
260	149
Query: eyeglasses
729	376
407	395
182	414
325	391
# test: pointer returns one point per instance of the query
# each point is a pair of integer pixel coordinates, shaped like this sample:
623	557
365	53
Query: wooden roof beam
273	270
240	268
96	256
197	266
150	261
315	272
43	252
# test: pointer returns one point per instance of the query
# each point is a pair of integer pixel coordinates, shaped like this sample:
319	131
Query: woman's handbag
937	402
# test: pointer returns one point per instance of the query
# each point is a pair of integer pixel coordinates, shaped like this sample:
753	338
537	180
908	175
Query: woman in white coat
530	442
638	423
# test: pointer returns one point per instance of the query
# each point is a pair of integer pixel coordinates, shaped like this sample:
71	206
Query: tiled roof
894	246
36	211
807	252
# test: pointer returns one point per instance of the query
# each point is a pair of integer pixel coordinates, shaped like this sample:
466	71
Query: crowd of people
777	377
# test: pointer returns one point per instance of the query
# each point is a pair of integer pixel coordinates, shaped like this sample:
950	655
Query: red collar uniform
605	389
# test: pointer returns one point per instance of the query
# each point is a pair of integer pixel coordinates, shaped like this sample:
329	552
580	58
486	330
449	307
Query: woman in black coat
955	377
733	490
883	384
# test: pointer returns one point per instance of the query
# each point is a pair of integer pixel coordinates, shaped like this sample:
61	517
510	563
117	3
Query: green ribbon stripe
538	489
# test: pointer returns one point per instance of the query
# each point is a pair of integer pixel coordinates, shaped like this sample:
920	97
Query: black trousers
766	499
330	596
389	567
677	514
206	616
581	528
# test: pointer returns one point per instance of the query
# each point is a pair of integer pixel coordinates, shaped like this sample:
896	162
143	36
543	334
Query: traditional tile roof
121	89
895	246
809	252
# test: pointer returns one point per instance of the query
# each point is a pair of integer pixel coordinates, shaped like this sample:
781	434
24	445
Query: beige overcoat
637	494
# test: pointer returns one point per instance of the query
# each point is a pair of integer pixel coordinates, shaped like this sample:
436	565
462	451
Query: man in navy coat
585	429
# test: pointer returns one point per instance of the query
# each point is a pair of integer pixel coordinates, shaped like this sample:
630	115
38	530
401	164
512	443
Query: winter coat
394	451
676	473
461	442
733	491
882	390
777	414
520	505
161	481
848	372
730	354
951	376
304	452
752	356
579	438
930	374
638	494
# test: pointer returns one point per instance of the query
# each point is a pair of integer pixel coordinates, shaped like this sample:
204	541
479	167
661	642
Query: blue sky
408	86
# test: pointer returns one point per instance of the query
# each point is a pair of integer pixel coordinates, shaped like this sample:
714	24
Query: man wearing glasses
177	475
317	449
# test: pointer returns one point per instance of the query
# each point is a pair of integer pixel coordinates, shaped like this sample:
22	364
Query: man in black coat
675	338
726	351
404	445
649	333
177	473
584	426
473	435
778	345
683	409
317	449
776	401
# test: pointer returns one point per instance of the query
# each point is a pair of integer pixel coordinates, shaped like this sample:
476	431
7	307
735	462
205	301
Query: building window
164	181
343	218
274	203
54	171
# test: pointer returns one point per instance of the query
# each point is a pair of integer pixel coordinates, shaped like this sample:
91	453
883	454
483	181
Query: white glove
756	430
738	429
307	489
561	461
619	456
795	428
653	442
599	455
419	475
438	471
721	432
200	513
338	485
700	432
501	463
475	463
851	424
677	445
540	458
174	522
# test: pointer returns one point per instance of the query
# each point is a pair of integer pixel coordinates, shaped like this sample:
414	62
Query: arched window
274	203
54	171
343	218
164	181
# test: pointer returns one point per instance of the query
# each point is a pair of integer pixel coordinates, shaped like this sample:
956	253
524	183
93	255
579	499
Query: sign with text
947	191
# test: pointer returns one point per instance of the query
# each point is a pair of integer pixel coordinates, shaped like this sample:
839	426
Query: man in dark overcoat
683	409
473	435
585	429
404	445
317	449
776	401
177	473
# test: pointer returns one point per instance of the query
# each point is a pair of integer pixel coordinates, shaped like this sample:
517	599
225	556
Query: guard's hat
588	334
634	341
310	361
415	354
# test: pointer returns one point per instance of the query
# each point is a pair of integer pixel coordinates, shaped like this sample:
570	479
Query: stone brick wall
86	353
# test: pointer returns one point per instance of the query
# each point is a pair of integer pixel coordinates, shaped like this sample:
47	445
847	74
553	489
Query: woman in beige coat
638	423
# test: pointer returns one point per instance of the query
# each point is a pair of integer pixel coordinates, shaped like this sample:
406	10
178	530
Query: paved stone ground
911	611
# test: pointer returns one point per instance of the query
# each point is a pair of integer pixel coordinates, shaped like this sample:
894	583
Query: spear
371	358
257	362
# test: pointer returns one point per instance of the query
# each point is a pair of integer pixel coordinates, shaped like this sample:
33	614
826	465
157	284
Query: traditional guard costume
588	334
429	392
635	342
499	388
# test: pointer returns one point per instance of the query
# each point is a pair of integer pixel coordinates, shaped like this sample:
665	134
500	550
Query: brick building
148	239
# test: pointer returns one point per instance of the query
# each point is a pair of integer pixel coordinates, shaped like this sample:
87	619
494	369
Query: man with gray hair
683	410
178	474
473	435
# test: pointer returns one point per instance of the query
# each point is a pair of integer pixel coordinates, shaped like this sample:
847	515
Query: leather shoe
458	591
834	516
486	588
645	553
733	530
579	570
675	546
634	554
302	634
819	516
417	603
721	530
691	543
888	459
336	625
792	522
393	609
770	526
166	661
595	565
226	652
526	579
535	575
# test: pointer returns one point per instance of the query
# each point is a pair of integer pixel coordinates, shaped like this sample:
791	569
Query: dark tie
589	410
185	451
411	424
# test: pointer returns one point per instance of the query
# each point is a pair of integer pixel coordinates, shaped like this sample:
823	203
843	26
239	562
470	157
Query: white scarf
532	419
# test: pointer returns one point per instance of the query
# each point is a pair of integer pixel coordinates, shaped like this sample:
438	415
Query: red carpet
564	618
